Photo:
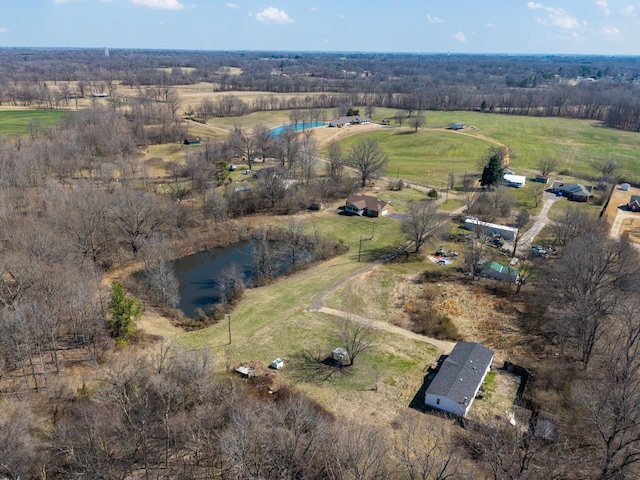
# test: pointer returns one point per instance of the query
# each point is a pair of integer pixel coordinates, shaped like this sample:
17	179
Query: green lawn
16	122
427	156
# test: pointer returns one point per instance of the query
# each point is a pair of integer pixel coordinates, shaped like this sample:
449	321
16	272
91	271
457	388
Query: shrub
396	184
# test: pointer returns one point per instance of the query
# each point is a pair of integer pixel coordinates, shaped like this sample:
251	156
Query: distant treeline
585	87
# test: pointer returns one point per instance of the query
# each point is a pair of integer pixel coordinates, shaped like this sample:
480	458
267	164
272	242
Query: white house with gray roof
459	378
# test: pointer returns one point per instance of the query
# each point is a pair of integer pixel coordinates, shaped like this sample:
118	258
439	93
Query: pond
198	275
297	126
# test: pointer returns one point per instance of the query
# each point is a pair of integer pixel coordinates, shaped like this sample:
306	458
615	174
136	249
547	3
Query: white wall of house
446	404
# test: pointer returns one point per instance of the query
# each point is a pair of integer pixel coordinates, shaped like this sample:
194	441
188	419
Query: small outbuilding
457	126
541	179
625	187
459	378
340	356
501	272
192	141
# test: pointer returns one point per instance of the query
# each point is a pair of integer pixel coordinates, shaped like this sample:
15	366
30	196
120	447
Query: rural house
575	192
459	378
511	180
634	203
473	224
367	206
351	120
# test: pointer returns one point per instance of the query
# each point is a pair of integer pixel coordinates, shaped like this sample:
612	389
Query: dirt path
317	305
541	220
213	128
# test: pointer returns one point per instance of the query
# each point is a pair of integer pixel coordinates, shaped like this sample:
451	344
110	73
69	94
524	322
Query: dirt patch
478	309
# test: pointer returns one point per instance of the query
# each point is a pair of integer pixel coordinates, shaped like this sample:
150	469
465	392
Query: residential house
634	203
500	272
351	120
459	378
474	224
575	192
367	206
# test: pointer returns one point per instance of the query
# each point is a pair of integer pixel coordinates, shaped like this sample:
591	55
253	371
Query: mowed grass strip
16	122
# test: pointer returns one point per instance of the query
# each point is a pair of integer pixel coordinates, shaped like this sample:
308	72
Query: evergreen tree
124	314
492	172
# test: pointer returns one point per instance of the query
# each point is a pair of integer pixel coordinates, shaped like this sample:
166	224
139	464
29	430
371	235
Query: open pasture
427	156
16	122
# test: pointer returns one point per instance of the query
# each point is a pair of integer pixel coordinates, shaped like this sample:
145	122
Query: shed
340	356
459	379
498	271
457	126
192	141
541	179
625	187
246	371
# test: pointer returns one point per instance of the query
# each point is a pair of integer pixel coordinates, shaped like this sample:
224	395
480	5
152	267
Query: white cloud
611	31
315	9
557	17
629	11
603	5
159	4
273	15
232	5
491	25
3	30
433	19
460	37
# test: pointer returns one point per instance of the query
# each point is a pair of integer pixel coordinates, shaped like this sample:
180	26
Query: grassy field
16	122
428	155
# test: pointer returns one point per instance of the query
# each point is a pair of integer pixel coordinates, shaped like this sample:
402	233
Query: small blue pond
297	126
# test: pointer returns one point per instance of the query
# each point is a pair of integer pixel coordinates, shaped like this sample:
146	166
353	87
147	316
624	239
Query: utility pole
373	231
359	251
229	318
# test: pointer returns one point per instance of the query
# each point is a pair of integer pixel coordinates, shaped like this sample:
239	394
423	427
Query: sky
592	27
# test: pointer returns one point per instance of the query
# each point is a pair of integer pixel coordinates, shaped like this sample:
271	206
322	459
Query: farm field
16	122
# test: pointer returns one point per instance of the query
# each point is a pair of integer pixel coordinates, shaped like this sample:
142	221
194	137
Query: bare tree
336	162
355	337
425	452
595	272
137	215
421	222
547	165
416	121
368	158
611	396
574	223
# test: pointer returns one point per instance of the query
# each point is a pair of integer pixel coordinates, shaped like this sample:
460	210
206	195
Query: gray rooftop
461	372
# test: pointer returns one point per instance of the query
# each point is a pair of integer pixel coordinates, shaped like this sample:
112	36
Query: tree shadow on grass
318	368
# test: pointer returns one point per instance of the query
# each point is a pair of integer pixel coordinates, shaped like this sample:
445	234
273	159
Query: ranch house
459	378
367	206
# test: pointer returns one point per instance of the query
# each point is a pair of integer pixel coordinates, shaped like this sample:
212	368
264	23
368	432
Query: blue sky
610	27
